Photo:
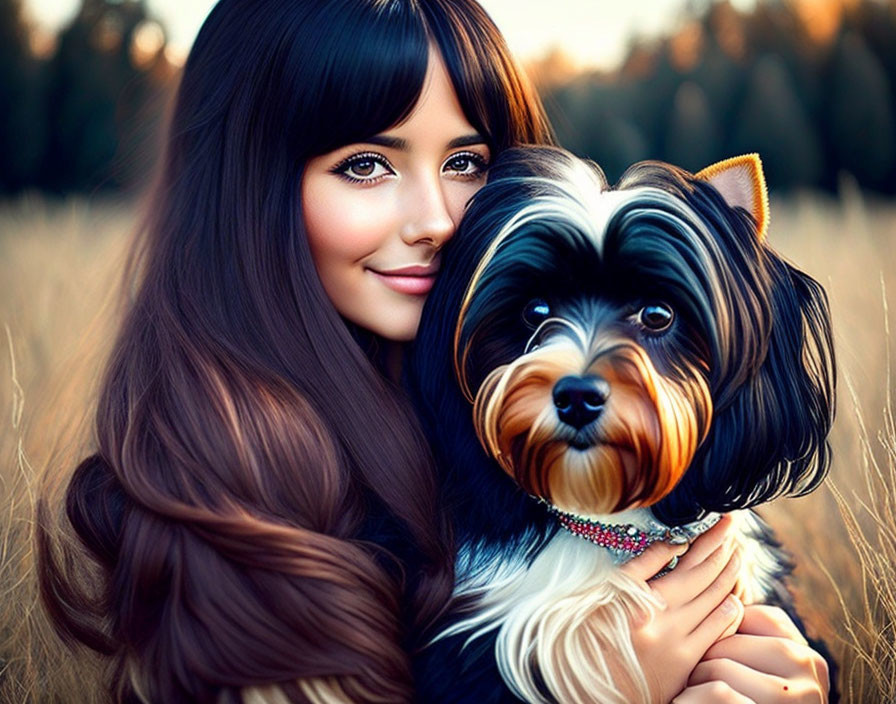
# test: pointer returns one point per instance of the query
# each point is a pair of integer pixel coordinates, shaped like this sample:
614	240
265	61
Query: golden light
175	56
821	19
686	46
42	43
641	61
107	33
148	41
728	28
555	68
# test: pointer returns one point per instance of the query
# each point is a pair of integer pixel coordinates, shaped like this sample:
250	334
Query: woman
261	507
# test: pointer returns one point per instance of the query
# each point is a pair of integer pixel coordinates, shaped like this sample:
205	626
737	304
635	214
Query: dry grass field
58	268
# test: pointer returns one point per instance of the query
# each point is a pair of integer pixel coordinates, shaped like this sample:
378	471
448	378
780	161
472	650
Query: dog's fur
554	275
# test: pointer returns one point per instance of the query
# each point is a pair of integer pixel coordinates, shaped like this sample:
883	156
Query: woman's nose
428	215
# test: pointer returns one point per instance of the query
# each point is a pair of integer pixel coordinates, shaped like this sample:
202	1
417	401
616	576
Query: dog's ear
769	438
741	182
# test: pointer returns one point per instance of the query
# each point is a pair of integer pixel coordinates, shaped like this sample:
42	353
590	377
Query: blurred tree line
81	111
809	84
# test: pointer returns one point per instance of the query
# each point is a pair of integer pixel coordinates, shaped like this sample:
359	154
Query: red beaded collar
624	537
625	540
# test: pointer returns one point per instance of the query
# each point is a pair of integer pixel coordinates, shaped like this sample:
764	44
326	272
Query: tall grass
842	536
58	271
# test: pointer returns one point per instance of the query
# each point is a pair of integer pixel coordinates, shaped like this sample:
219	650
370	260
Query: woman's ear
741	183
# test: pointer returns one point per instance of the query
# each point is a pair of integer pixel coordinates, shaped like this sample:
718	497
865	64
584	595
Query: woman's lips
410	280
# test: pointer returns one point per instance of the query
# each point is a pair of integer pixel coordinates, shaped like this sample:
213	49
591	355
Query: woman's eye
536	312
363	168
466	164
655	317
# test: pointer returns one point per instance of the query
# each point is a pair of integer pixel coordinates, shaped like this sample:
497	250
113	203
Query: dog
597	369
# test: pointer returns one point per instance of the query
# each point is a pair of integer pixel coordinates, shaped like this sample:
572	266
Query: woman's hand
767	660
699	607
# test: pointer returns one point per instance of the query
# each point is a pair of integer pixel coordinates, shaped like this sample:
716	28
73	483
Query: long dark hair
261	508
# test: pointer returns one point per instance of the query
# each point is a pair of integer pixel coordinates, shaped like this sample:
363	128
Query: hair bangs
493	92
369	73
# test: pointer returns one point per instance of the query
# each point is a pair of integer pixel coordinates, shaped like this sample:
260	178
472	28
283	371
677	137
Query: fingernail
730	605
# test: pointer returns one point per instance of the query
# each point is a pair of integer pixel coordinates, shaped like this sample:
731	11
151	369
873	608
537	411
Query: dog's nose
580	399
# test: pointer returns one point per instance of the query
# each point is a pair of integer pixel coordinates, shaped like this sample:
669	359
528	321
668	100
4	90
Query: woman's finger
751	683
711	693
687	583
778	656
653	560
764	620
658	556
720	587
709	542
720	623
757	685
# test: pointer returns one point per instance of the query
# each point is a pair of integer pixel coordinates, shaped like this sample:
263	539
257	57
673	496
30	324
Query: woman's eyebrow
466	141
383	140
386	141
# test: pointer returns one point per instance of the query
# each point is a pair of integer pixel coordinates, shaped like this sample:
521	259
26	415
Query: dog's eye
655	317
536	312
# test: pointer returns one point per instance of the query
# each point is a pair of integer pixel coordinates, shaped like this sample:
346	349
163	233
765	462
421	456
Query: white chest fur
563	617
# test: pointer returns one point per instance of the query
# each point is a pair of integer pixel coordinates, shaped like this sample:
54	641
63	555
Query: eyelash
478	160
342	168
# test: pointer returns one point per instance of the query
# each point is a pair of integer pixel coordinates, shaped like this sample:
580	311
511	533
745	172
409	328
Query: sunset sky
593	33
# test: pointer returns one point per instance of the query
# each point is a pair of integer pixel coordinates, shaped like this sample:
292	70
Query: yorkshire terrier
597	369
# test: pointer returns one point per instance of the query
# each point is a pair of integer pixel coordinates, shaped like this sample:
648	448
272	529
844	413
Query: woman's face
377	212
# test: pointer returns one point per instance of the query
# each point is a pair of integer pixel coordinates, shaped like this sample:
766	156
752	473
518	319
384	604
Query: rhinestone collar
624	540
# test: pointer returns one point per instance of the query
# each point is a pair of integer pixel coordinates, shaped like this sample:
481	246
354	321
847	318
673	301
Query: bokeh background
809	84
